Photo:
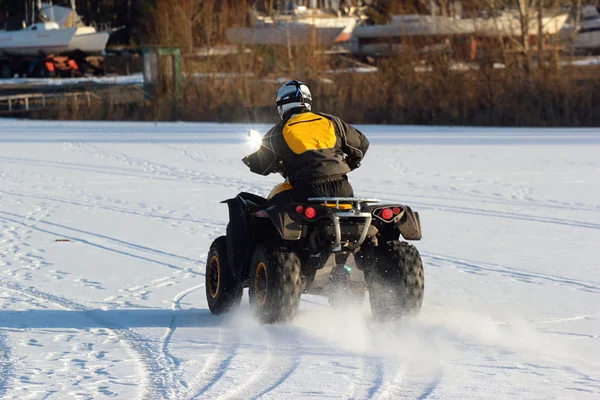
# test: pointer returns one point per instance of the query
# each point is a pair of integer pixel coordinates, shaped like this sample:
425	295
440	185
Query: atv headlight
254	140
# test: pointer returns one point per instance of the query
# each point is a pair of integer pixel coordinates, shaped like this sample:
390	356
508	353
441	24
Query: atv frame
276	251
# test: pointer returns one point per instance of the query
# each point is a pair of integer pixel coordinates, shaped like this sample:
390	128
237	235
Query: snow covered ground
133	79
104	229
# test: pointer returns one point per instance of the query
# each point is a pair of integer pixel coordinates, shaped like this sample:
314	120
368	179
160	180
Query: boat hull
422	25
294	34
89	42
508	25
36	43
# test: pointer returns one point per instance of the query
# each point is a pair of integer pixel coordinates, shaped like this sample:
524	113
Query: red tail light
299	209
396	210
310	212
387	213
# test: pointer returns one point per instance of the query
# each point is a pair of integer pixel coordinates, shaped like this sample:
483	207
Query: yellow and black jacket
311	147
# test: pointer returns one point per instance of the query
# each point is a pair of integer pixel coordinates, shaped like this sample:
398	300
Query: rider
309	147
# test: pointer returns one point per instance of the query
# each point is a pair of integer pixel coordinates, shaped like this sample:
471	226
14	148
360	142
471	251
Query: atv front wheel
275	284
223	293
395	280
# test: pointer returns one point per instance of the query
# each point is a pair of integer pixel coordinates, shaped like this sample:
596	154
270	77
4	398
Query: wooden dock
17	103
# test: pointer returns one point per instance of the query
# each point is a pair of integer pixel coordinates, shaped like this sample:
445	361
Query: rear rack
337	200
337	245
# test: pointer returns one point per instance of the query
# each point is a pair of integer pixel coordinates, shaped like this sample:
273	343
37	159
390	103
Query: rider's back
310	146
316	150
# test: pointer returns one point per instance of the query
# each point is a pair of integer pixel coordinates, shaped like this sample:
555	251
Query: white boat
585	36
508	23
40	39
294	25
87	39
505	24
414	25
323	31
61	33
377	40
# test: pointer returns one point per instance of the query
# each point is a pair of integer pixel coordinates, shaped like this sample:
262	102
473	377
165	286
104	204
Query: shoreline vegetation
527	88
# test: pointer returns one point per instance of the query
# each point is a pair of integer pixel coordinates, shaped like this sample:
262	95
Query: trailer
60	65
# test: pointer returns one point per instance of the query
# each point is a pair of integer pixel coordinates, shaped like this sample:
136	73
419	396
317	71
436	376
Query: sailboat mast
52	17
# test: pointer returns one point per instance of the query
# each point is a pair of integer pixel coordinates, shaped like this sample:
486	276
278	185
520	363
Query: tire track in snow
430	388
173	325
250	382
76	239
6	365
398	362
158	380
387	386
493	199
261	380
377	382
175	320
219	362
112	208
497	214
164	170
146	173
353	389
161	365
108	238
199	157
512	272
219	359
290	364
390	379
98	169
237	375
407	381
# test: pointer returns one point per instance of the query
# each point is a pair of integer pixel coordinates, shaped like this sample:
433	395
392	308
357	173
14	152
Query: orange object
73	64
50	66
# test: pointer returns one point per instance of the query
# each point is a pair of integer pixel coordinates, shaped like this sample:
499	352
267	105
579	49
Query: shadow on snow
113	319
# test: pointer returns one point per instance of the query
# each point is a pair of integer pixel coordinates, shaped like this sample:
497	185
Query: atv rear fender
238	233
410	224
284	225
407	222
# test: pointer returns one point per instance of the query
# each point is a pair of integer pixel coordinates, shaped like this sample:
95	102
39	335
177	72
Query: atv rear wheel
275	284
223	293
395	280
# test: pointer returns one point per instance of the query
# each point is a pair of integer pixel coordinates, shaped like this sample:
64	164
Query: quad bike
276	251
279	252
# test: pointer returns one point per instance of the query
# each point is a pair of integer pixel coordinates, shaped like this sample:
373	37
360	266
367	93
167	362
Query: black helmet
293	94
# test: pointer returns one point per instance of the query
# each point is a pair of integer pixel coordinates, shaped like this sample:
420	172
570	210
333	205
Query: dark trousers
333	187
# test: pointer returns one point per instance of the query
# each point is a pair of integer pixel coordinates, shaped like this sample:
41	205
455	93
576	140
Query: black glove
280	170
246	160
352	163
